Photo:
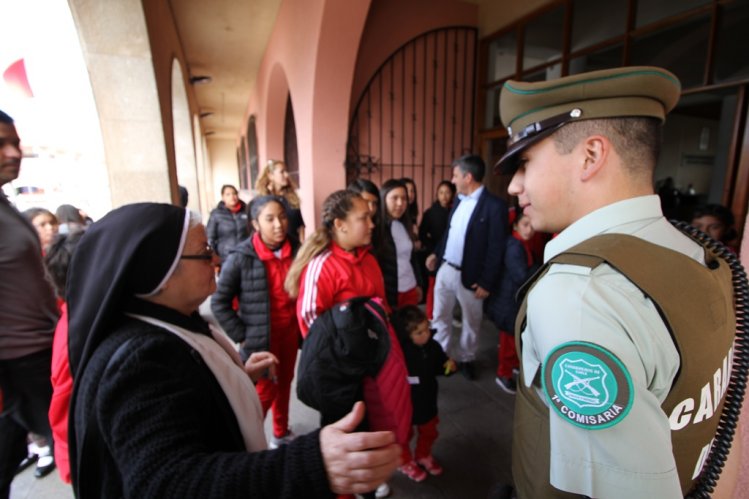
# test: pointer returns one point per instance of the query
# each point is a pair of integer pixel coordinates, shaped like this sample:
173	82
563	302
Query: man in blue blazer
469	259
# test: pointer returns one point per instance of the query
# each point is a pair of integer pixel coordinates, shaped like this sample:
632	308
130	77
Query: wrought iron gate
416	114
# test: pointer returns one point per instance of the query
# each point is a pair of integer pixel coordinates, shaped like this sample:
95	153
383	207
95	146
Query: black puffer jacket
243	273
225	229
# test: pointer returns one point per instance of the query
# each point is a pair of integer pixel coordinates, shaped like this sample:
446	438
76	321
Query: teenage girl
275	179
255	271
335	264
432	228
395	250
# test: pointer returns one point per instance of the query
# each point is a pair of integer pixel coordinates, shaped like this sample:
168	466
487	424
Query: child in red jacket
57	261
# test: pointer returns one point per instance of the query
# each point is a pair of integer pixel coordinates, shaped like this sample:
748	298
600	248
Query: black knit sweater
152	421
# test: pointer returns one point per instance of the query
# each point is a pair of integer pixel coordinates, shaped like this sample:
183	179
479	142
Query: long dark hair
256	206
447	184
413	206
363	185
387	188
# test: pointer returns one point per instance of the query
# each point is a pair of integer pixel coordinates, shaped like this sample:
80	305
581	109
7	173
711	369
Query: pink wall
311	56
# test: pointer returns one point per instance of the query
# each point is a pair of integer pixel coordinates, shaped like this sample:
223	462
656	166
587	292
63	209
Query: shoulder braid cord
729	418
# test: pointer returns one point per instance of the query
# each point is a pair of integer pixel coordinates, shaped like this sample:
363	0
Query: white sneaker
382	491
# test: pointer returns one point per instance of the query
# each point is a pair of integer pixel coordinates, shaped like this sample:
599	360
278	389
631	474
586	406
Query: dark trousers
27	391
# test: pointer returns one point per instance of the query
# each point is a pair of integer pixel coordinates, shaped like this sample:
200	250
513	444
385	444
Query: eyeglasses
207	254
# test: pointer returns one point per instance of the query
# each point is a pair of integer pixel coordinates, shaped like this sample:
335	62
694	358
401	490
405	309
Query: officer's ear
595	151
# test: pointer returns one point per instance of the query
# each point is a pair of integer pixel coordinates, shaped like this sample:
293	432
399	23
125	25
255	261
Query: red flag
15	77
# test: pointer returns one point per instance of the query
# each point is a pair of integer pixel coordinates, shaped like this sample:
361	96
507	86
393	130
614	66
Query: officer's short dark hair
473	164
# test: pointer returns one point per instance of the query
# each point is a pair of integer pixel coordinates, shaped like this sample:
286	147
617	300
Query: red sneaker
412	471
432	466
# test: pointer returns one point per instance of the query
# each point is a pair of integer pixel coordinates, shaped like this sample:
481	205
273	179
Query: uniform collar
602	220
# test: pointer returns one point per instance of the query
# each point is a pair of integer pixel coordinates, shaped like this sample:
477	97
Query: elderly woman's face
194	280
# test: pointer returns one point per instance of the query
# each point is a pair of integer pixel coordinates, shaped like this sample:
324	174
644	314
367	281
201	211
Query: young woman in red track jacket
335	264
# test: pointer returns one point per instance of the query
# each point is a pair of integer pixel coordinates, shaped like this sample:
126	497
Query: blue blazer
485	242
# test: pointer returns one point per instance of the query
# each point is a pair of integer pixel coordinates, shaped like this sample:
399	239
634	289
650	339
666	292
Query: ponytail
335	206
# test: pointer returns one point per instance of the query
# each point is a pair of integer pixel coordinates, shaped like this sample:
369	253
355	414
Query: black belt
456	267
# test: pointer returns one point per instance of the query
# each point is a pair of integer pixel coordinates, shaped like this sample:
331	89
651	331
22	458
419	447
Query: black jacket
425	363
503	306
433	226
225	229
387	259
345	344
484	248
244	272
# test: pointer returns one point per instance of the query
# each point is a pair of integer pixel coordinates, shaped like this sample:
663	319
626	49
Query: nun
162	405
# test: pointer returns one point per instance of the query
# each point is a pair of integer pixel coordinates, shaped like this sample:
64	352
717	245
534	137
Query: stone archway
116	48
184	152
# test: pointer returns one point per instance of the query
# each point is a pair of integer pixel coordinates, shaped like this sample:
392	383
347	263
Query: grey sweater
28	312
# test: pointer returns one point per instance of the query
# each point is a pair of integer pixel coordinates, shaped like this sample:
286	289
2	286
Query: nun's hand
357	462
260	362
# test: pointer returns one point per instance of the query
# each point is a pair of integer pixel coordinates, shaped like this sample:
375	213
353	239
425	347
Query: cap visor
508	163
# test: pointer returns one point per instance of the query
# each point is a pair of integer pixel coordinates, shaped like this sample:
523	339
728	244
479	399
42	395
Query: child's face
711	226
420	334
524	228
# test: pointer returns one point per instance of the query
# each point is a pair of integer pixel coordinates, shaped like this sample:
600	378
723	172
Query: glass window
491	119
252	150
697	135
649	11
594	21
242	161
543	38
682	49
549	72
495	182
290	151
502	56
731	62
610	57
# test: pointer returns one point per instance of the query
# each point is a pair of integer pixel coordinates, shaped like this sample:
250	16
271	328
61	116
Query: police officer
626	335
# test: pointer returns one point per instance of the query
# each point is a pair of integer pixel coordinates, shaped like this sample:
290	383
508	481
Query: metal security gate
416	114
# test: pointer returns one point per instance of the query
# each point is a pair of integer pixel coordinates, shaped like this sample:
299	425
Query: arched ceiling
224	39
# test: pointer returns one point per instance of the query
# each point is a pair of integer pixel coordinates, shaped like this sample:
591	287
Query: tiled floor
473	446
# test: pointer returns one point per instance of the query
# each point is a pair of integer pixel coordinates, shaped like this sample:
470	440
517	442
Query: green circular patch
587	385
